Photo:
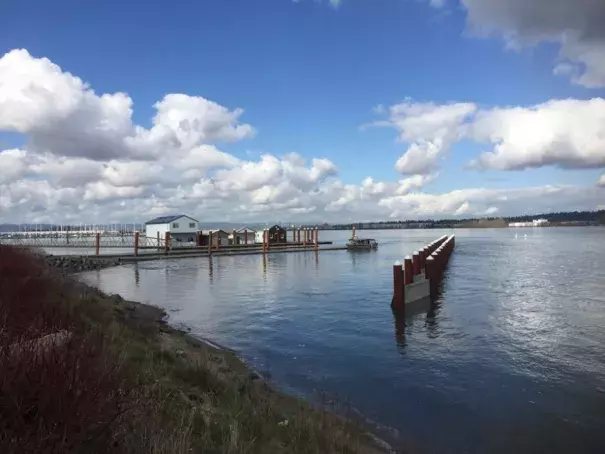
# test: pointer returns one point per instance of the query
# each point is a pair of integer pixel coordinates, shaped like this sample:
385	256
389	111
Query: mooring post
316	238
166	242
159	246
234	238
416	263
398	287
439	256
210	242
136	244
429	273
305	237
298	235
97	243
422	253
408	271
246	237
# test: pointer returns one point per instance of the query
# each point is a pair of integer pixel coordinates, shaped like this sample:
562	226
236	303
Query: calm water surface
510	358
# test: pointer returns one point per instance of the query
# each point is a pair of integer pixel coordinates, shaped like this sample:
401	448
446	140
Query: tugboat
361	244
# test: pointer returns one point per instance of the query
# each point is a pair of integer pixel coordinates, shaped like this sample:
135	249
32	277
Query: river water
509	359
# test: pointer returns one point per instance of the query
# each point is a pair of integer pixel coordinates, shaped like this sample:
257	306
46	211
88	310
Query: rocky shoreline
79	264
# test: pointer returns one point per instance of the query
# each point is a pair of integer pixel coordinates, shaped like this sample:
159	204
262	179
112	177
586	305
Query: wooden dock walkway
179	253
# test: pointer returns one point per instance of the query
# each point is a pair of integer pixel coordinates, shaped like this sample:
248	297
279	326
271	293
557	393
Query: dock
182	253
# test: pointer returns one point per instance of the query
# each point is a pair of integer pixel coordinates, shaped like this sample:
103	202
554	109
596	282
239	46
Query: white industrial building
182	228
534	223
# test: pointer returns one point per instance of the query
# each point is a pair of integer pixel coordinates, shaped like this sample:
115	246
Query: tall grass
84	372
57	394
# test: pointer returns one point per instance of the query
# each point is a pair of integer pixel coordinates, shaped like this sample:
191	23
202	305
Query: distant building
244	235
533	223
277	235
182	228
220	238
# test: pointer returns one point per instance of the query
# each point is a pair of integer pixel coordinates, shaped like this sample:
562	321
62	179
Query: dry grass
126	382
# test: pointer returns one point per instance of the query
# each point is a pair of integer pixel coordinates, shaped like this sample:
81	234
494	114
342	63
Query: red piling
97	243
416	263
136	244
166	242
408	271
398	287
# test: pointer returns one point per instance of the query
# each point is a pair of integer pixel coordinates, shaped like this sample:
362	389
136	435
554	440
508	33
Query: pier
131	246
418	278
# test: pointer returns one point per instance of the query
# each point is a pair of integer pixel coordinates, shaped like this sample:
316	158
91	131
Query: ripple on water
509	359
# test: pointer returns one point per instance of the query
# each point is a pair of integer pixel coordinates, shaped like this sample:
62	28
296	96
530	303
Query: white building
182	228
533	223
244	236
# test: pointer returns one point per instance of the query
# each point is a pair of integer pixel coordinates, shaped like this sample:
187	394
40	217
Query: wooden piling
158	241
398	302
416	263
209	242
316	239
430	275
408	271
166	242
97	243
136	244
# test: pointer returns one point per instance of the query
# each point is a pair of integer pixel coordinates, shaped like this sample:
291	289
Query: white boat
361	244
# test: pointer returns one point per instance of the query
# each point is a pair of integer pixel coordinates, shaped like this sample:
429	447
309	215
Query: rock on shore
78	264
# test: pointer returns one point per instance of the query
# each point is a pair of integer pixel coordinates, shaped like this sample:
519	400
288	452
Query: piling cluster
422	273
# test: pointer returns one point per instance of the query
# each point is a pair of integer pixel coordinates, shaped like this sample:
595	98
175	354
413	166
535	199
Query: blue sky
307	75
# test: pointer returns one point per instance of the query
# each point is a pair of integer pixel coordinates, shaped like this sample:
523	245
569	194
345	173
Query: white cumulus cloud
84	160
567	133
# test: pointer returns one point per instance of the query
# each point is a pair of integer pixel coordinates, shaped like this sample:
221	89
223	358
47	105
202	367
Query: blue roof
168	219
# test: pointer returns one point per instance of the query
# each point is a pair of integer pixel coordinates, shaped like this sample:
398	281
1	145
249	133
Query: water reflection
137	275
399	321
407	317
512	343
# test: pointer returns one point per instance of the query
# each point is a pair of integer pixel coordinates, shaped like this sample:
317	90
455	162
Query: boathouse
244	235
182	228
277	235
220	238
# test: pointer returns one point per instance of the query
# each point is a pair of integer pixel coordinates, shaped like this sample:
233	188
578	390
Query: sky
300	111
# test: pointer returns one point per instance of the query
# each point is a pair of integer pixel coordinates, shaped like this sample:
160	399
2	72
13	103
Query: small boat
361	244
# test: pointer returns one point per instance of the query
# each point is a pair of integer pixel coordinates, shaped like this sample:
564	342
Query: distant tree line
558	218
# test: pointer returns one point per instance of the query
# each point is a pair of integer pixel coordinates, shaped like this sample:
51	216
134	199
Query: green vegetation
123	381
555	219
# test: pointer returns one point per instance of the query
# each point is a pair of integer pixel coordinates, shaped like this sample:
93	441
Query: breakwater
79	264
420	275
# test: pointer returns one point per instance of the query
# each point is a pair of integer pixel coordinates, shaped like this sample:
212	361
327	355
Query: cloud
62	115
575	25
567	133
601	181
85	161
13	165
429	128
